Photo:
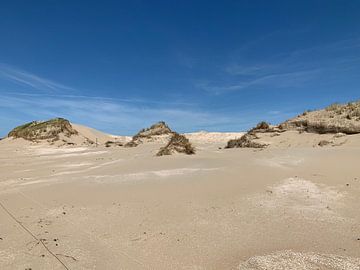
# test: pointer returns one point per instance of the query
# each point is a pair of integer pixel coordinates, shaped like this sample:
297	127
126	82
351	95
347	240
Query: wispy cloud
102	98
111	115
28	79
280	80
293	69
246	70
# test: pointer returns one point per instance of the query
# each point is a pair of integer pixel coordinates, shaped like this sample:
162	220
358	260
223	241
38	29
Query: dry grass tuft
177	144
245	141
344	118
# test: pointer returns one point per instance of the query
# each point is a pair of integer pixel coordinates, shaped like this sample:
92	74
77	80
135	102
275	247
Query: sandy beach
125	208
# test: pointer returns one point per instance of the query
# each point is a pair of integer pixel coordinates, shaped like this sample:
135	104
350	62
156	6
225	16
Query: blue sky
119	66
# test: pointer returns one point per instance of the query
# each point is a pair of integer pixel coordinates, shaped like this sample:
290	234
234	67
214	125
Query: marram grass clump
178	144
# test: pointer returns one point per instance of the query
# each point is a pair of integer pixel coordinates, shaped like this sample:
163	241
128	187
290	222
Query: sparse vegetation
47	130
245	141
335	118
131	144
158	129
177	144
112	143
335	107
261	127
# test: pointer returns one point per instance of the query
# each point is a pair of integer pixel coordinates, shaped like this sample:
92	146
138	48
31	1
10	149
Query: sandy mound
328	126
159	132
177	144
47	130
300	261
60	132
333	119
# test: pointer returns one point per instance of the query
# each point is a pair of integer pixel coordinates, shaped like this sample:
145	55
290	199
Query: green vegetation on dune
45	130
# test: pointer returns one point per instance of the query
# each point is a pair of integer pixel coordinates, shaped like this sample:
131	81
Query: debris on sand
177	144
153	133
112	143
324	143
47	130
131	144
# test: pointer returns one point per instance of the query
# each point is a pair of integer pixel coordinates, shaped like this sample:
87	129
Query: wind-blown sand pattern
300	261
291	205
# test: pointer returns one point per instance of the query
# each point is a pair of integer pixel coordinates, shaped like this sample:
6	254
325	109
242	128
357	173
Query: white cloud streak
281	80
28	79
287	70
110	115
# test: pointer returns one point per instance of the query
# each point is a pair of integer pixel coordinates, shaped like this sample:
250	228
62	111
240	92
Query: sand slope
96	135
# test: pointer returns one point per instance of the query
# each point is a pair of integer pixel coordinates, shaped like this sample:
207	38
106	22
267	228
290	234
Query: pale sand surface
123	208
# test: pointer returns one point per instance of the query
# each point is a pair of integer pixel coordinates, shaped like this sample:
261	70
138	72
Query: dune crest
60	132
334	122
158	132
336	118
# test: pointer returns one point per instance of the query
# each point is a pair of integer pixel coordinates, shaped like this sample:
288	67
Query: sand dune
124	207
293	204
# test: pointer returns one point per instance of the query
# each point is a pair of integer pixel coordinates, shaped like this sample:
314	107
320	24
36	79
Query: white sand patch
78	154
167	173
37	182
74	165
280	162
54	151
121	138
22	171
300	261
9	182
88	169
106	163
212	137
148	174
301	196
